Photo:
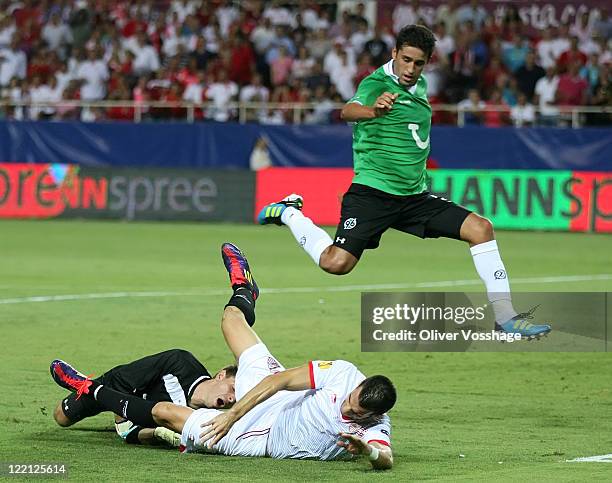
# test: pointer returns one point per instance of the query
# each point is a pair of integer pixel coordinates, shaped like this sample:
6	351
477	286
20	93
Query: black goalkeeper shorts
367	213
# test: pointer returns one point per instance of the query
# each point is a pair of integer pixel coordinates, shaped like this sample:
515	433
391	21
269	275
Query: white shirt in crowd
194	92
278	15
226	15
6	34
522	115
546	89
56	35
221	93
95	75
13	63
43	93
547	53
182	9
146	59
342	77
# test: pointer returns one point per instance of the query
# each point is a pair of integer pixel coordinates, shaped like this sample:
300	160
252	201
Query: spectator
93	74
323	107
497	113
603	25
491	74
573	55
365	67
13	62
263	36
472	12
527	75
41	93
57	35
255	92
81	26
146	59
572	89
590	72
7	30
515	53
523	114
582	28
447	13
377	48
407	13
317	78
63	77
602	97
278	13
302	66
242	63
343	75
562	41
545	95
445	44
280	67
546	49
472	108
221	92
318	44
360	36
226	15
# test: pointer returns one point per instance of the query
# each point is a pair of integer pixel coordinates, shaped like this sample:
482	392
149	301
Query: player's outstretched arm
380	456
353	111
296	379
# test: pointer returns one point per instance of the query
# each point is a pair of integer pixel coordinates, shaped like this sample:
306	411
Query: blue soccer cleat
519	325
69	378
272	213
238	268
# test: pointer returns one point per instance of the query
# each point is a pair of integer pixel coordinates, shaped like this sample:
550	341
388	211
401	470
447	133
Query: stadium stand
61	51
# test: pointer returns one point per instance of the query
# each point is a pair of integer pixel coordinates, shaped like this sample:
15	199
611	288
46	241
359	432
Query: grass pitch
460	416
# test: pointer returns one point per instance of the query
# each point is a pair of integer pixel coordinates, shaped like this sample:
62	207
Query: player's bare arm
354	111
380	456
296	379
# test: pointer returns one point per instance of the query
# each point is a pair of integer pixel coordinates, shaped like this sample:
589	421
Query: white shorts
249	436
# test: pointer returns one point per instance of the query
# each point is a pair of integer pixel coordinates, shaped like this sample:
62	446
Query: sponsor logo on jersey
499	274
384	431
340	240
356	429
350	223
273	365
302	241
324	364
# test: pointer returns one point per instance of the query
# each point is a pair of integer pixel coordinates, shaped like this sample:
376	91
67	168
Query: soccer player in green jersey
392	119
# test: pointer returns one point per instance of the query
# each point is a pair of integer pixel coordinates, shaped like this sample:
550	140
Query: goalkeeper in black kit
174	376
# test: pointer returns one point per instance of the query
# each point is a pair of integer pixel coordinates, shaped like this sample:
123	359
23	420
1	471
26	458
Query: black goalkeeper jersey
170	376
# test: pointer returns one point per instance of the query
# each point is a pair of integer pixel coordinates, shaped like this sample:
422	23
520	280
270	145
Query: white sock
491	269
310	237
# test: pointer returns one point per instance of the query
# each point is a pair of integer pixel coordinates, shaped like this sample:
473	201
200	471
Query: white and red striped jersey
307	427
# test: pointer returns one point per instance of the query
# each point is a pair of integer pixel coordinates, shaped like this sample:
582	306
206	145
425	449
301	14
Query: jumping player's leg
478	232
456	222
365	215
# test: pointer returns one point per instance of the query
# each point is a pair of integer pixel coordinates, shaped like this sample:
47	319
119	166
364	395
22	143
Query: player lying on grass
322	410
174	375
392	119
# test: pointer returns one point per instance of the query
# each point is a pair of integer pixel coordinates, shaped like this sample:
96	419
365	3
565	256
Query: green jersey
390	152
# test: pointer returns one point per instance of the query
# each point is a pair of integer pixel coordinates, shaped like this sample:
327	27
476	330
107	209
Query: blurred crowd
304	51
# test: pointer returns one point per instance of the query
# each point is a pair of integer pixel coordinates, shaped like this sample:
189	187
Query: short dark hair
230	371
417	36
377	394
